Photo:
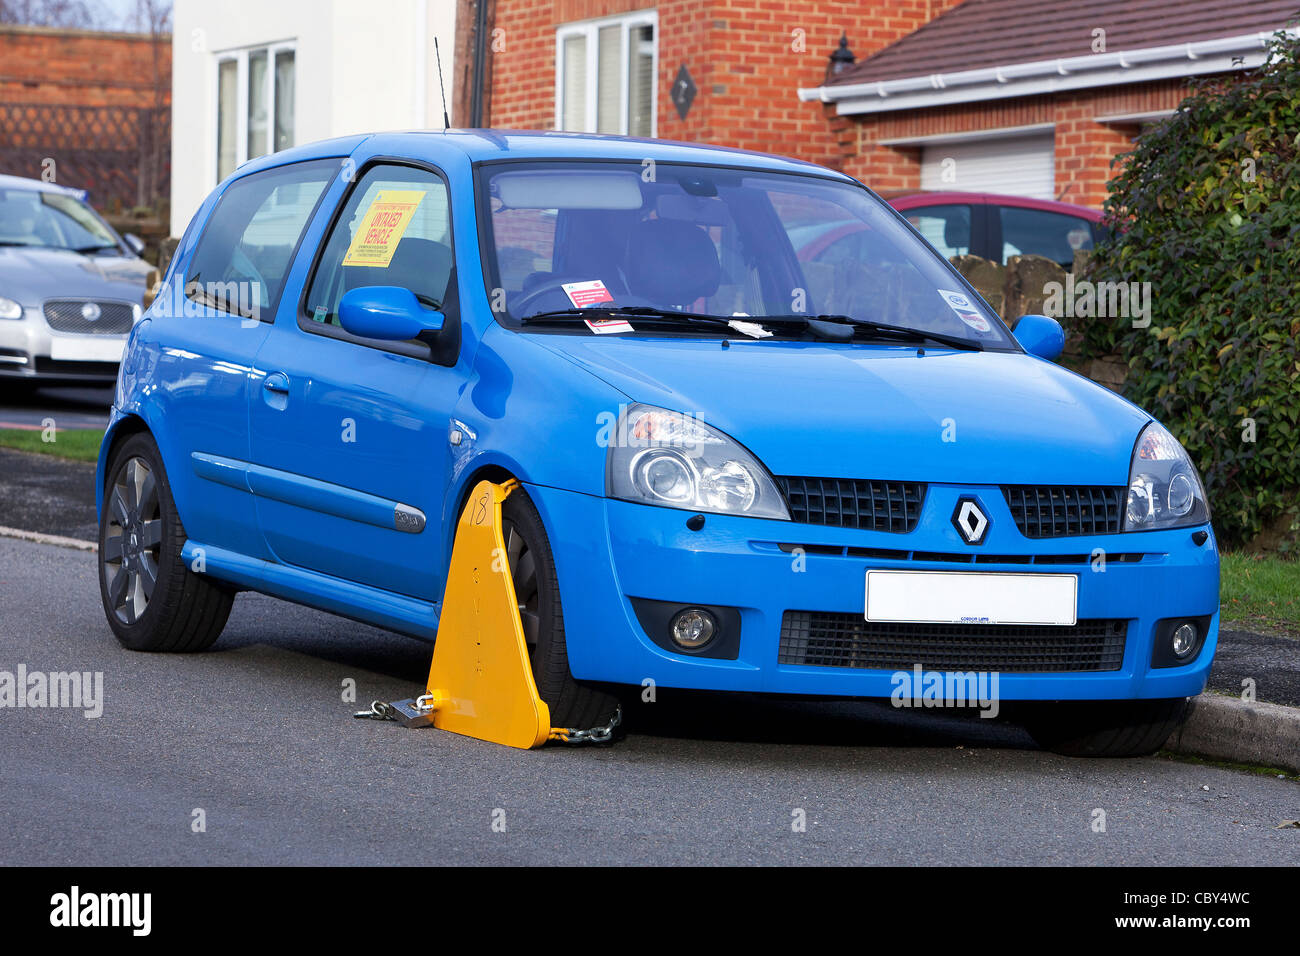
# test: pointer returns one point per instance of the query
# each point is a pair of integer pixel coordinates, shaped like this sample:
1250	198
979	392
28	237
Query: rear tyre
1125	728
153	601
528	553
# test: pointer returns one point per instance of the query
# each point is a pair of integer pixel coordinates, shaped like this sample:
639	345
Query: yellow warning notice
382	227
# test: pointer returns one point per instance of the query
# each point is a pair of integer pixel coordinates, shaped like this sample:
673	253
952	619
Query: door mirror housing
134	243
1040	335
387	312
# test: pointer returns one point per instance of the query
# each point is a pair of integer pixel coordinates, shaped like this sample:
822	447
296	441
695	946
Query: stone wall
1021	288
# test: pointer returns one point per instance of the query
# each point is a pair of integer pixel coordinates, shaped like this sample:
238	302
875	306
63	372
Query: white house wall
359	67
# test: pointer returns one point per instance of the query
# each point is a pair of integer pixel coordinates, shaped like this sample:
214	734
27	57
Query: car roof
38	185
486	145
914	198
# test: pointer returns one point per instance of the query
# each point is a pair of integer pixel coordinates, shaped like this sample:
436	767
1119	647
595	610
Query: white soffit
1047	76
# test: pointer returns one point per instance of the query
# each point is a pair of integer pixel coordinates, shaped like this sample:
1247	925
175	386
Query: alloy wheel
133	540
523	572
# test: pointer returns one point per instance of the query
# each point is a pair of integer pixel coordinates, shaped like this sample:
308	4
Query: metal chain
596	735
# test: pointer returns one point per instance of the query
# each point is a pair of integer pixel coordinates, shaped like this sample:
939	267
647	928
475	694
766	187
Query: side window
947	228
1041	233
243	255
394	230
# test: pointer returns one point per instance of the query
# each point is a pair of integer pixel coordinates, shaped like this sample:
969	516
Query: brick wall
81	68
91	110
747	58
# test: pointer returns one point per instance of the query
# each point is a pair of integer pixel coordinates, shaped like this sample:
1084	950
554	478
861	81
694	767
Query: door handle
277	382
275	391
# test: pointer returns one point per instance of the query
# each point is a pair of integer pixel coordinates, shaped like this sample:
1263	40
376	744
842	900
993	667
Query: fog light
1184	640
693	628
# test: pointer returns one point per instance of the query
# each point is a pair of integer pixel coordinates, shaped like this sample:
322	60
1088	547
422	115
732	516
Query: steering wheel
520	306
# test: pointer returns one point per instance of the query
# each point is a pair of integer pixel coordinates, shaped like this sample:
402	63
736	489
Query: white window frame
590	30
240	58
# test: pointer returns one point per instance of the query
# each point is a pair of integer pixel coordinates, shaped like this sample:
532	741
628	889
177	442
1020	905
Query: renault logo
90	312
970	521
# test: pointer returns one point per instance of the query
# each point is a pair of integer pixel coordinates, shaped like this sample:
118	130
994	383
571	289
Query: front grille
1053	511
64	315
826	639
854	503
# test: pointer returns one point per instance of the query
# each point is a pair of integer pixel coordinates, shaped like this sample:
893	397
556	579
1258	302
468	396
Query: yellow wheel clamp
480	682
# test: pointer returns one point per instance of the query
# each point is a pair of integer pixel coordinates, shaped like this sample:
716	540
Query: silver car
70	287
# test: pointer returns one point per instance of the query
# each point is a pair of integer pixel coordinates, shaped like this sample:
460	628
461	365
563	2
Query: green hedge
1207	208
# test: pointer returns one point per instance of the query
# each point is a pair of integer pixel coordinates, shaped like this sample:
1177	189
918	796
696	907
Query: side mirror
134	243
1040	335
386	312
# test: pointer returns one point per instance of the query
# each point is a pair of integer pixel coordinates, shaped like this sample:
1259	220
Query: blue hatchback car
738	469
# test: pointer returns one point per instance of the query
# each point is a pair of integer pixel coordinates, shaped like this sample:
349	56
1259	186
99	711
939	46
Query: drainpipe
480	64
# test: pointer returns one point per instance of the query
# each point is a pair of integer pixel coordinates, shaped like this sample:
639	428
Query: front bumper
28	350
608	552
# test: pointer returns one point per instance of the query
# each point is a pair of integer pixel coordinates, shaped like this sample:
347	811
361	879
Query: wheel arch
495	472
119	431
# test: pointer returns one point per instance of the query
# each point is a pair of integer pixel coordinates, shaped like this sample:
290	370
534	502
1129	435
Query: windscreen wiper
831	332
649	313
882	328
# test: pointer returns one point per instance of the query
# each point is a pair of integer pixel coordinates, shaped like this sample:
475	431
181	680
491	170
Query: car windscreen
712	240
29	217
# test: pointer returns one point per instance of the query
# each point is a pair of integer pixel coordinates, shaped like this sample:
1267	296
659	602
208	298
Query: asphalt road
255	733
74	407
47	494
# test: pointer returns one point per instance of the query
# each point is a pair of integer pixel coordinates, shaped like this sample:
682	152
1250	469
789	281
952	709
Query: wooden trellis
122	155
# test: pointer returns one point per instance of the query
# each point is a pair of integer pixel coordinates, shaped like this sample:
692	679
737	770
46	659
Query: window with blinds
605	75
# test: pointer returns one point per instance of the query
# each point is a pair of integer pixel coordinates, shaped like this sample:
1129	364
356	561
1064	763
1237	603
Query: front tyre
537	590
153	602
1122	728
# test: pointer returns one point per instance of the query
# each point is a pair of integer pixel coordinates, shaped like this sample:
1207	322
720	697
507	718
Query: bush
1207	208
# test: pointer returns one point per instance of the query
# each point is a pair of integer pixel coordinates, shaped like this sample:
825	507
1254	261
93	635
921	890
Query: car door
349	435
204	333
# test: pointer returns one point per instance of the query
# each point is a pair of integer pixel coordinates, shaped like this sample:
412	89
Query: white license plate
971	597
88	349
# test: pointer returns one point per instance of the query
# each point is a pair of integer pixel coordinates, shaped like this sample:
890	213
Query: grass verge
77	445
1261	592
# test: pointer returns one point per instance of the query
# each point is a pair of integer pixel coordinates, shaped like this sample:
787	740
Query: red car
988	225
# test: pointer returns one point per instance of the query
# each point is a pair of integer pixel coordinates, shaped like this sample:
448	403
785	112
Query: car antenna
446	120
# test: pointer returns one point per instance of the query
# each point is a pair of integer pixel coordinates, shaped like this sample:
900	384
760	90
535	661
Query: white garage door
1019	166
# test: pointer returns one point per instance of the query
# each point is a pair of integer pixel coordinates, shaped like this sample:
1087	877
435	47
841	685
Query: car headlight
1164	490
9	309
664	458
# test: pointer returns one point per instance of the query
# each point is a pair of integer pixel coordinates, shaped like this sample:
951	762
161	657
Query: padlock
414	712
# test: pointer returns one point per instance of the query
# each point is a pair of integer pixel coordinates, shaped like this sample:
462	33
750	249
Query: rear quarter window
243	255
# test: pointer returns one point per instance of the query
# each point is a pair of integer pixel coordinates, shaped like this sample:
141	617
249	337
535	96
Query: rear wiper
882	328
